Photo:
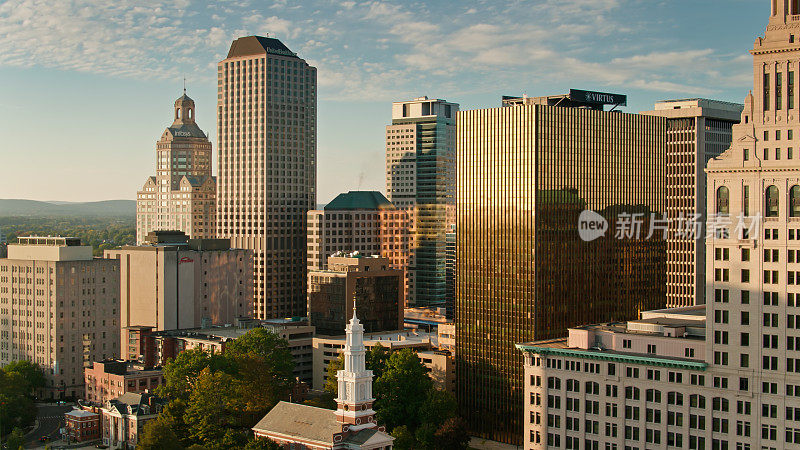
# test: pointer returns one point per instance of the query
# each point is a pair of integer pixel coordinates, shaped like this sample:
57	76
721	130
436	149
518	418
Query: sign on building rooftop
602	98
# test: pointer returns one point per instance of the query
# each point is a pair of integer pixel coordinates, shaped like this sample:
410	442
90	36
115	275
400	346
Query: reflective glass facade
525	174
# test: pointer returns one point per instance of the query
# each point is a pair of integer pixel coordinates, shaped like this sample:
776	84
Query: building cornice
615	357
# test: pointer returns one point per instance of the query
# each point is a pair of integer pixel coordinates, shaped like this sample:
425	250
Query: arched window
191	114
794	201
177	113
771	202
723	200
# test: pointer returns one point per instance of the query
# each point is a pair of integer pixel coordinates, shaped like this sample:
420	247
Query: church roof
359	200
257	45
301	421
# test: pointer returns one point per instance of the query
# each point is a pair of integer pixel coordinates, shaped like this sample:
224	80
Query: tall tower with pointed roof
354	403
182	194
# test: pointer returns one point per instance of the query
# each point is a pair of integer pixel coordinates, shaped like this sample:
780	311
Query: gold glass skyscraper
525	173
267	129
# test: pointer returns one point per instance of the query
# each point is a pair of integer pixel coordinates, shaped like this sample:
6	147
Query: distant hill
17	207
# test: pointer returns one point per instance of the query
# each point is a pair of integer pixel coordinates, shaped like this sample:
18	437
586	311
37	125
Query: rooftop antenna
184	85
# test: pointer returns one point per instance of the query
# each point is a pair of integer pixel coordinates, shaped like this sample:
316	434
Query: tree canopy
18	383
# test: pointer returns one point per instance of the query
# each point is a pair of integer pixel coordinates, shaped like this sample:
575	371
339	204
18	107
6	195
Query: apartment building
107	380
59	308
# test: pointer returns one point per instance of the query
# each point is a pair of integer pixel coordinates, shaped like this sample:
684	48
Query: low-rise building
327	348
371	280
441	367
82	426
173	282
169	344
125	417
107	380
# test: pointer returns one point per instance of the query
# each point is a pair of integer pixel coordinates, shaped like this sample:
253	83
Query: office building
174	282
450	271
107	380
182	195
722	375
59	308
420	178
267	129
351	279
82	425
364	222
697	130
351	426
526	174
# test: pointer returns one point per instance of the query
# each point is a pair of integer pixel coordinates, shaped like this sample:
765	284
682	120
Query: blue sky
87	86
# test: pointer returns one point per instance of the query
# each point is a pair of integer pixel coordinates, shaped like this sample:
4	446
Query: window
794	201
771	201
766	97
723	200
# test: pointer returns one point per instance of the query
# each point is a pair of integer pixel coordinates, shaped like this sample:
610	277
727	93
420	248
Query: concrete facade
267	130
182	195
420	179
171	286
697	130
59	308
369	281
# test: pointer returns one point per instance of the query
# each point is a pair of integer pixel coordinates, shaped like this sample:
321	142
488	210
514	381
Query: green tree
16	440
264	368
212	408
158	434
181	373
30	374
377	358
453	433
403	438
16	406
402	390
331	383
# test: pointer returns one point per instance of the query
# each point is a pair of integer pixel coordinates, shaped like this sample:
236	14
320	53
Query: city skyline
106	85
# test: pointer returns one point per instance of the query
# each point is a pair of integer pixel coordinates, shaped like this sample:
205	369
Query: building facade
697	130
267	128
364	222
124	418
182	195
175	283
420	178
59	308
526	174
82	426
107	380
332	294
734	380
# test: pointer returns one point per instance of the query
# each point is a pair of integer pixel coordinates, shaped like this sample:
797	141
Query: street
51	418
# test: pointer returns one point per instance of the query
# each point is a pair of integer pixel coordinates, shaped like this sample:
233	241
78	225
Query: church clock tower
354	403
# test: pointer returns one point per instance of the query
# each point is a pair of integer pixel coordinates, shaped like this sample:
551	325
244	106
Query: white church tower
354	403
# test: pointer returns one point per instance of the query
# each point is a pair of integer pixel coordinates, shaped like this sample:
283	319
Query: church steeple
354	403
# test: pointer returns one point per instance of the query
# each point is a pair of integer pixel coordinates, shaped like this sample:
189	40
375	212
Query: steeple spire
354	402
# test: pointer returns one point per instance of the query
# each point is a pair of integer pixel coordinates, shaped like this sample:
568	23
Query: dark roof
301	421
257	45
187	130
359	200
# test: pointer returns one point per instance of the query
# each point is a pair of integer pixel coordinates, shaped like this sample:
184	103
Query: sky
87	86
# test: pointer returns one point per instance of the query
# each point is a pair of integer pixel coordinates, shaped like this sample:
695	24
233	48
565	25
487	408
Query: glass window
771	201
794	201
723	195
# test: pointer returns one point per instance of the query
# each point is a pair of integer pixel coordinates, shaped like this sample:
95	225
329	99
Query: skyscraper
420	178
526	174
182	194
722	375
698	129
267	128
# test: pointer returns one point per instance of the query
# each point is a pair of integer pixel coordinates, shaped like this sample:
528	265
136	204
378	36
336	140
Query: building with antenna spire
182	194
351	426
